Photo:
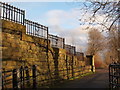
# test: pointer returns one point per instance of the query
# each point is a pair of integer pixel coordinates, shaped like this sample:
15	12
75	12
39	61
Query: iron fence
114	76
36	29
56	41
31	77
11	13
22	77
70	49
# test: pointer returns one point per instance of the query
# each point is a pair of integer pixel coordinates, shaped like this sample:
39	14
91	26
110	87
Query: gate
114	76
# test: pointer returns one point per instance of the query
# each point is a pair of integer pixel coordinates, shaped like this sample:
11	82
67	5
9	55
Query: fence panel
70	49
35	29
114	76
56	41
7	79
11	13
31	77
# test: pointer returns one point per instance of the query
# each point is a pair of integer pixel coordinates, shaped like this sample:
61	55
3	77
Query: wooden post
14	81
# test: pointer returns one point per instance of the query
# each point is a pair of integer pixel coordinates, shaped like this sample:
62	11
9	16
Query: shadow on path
100	79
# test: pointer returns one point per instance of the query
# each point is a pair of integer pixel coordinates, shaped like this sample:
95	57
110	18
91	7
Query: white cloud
61	17
65	24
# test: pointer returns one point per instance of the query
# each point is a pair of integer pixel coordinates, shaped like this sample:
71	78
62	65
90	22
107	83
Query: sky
62	19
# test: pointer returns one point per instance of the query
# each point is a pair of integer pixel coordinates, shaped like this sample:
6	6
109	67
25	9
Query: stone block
13	26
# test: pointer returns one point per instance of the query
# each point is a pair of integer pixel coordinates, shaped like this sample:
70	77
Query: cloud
61	17
66	24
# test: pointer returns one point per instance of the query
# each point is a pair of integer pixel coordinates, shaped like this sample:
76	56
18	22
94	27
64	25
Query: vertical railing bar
23	17
29	27
15	83
16	16
3	12
6	11
9	11
12	13
33	29
109	77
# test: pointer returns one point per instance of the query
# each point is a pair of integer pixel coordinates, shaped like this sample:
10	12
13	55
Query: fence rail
9	12
56	41
35	29
114	76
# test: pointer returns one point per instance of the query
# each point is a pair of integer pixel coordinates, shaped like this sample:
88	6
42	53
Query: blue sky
36	10
62	18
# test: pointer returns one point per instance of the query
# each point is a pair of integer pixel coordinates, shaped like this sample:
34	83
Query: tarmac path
100	79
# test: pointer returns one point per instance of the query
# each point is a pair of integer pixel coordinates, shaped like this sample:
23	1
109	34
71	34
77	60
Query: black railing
11	13
35	29
56	41
31	77
22	77
114	76
70	49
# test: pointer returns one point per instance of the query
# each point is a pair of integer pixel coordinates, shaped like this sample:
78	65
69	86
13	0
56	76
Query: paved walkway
98	80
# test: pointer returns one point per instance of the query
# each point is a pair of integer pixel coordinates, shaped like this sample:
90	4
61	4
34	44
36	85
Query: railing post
34	76
22	77
2	83
14	81
27	76
72	66
109	77
67	67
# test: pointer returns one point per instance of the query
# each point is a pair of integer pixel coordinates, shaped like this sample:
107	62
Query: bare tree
110	10
113	43
95	41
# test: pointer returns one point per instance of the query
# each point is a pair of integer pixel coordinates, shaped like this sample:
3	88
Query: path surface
98	80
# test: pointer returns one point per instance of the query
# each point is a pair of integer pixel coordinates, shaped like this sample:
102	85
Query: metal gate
114	76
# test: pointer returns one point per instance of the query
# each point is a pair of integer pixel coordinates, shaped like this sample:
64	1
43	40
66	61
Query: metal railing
70	49
30	77
36	29
114	76
11	13
19	78
56	41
